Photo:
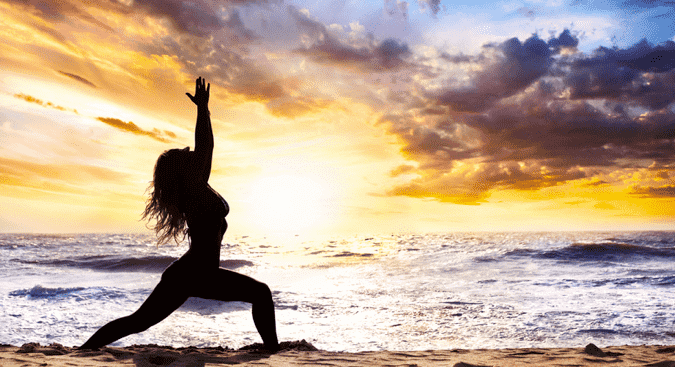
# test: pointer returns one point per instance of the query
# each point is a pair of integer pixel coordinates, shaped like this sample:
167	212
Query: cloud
363	55
520	114
425	142
434	5
596	183
402	170
666	191
641	74
201	39
471	183
523	123
524	147
642	57
228	68
528	12
42	103
565	40
198	18
458	59
59	11
396	7
515	66
133	128
391	52
240	34
192	17
77	78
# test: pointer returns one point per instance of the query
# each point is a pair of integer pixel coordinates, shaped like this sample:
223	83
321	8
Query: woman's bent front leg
163	300
230	286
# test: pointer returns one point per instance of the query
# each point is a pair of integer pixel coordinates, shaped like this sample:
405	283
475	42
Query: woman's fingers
202	90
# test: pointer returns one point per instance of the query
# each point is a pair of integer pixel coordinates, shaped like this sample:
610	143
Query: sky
341	116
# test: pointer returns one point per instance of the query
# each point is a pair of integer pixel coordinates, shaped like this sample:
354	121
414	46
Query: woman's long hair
166	203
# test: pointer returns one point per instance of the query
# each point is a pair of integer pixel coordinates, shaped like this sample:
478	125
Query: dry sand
303	354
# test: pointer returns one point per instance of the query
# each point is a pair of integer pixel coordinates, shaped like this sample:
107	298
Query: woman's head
171	173
166	204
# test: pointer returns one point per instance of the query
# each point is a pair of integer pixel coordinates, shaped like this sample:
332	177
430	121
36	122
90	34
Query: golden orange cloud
42	103
133	128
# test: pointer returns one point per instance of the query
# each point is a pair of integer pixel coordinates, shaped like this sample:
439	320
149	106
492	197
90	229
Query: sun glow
290	203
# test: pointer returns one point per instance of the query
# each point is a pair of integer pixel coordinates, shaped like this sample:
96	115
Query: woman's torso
206	212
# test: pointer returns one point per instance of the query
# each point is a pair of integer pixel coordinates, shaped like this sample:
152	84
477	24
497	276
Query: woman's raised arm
203	131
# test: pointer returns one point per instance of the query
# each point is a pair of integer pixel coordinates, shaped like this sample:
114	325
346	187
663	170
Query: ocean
360	293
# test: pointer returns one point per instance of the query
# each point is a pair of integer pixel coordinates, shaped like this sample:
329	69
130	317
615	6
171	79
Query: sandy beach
300	353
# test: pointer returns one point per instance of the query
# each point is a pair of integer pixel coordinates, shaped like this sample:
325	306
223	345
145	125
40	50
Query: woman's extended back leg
163	300
229	286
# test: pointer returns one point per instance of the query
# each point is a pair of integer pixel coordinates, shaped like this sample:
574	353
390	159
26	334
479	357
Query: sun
290	203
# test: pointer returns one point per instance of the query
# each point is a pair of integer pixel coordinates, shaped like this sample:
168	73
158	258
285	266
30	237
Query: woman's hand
201	97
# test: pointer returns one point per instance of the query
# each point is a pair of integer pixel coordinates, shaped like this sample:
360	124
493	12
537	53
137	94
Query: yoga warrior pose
183	203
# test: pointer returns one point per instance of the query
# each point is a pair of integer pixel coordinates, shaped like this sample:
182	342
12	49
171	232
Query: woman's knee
262	292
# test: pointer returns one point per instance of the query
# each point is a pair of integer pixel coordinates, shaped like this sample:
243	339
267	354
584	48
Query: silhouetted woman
183	203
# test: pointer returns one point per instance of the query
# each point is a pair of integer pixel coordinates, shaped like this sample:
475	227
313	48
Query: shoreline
301	353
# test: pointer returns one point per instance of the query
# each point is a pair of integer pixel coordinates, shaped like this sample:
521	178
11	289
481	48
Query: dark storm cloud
641	74
517	66
390	52
555	129
642	56
556	133
566	39
573	133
